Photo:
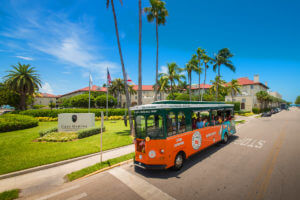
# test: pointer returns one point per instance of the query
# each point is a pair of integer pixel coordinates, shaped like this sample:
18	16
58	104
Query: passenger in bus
205	122
212	122
220	121
194	122
199	123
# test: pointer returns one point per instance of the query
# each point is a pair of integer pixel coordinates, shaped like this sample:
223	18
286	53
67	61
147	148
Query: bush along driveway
19	149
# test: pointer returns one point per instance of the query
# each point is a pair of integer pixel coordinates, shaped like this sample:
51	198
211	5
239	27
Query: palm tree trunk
190	79
204	81
156	76
172	87
22	101
199	82
123	68
140	54
217	92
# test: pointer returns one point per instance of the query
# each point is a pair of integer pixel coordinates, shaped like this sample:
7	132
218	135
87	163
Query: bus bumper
144	166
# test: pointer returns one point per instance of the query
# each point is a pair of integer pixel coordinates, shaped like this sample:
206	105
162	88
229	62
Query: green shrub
237	105
45	132
38	106
54	113
256	110
173	96
185	97
88	132
11	122
82	101
101	101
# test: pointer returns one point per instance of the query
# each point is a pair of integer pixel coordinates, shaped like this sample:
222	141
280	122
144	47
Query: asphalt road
260	162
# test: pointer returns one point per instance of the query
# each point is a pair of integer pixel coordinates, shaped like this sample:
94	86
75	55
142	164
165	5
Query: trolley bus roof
182	104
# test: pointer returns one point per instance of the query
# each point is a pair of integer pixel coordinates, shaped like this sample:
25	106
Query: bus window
171	124
200	119
140	124
181	122
155	126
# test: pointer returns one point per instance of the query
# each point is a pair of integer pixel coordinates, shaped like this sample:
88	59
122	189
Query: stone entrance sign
68	122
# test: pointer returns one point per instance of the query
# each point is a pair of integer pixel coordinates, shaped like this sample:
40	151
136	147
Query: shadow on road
192	160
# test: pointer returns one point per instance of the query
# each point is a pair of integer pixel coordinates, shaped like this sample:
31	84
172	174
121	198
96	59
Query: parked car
266	114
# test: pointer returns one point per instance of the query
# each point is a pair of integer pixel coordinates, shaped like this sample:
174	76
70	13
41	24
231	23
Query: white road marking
58	192
139	185
79	196
249	142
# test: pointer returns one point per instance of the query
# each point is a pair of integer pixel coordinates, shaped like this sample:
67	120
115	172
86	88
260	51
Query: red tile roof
206	86
247	81
144	87
94	88
47	95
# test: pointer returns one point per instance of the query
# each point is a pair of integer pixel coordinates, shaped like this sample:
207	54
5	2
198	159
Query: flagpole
107	96
89	92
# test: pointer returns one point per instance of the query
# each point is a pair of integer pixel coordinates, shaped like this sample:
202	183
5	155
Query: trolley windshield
149	126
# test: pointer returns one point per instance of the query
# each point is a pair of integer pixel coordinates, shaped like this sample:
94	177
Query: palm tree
131	91
206	60
140	54
222	58
24	80
162	86
122	63
218	85
158	12
172	75
191	66
182	86
200	53
234	88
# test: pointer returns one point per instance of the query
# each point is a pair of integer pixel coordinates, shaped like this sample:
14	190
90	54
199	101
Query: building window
251	87
243	100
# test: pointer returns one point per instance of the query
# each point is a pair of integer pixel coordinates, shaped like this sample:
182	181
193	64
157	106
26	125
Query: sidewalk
45	179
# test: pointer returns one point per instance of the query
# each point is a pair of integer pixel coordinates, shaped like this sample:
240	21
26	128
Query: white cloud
163	69
46	88
24	57
70	43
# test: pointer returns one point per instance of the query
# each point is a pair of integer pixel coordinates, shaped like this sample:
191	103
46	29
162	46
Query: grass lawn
9	195
240	122
18	151
80	173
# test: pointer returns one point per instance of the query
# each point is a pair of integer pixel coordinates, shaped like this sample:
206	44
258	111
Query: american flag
108	77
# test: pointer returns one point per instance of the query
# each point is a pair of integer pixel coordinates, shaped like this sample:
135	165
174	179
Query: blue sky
67	39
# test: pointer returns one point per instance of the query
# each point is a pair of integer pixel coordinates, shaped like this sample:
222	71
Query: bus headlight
140	157
152	154
162	151
147	139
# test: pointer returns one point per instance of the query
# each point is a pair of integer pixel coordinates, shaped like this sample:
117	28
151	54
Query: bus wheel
178	163
225	139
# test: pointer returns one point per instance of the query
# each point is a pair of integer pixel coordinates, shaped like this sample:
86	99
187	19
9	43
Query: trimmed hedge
45	132
11	122
256	110
89	132
54	113
237	105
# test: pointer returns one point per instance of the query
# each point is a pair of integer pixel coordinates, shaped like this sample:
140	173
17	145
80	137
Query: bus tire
225	139
178	162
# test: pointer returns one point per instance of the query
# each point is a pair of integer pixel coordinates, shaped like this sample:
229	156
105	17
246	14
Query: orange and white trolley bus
168	132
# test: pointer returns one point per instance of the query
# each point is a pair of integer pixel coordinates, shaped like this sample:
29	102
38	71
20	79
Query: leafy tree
297	100
222	58
82	101
65	103
157	12
206	60
23	80
9	97
182	86
191	66
200	53
131	90
234	88
122	63
117	88
262	97
52	105
173	96
101	101
172	75
218	86
162	86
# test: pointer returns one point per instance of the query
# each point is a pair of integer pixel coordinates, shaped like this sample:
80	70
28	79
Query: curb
102	170
47	166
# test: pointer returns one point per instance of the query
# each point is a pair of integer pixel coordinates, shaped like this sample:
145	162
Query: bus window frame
163	125
146	115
